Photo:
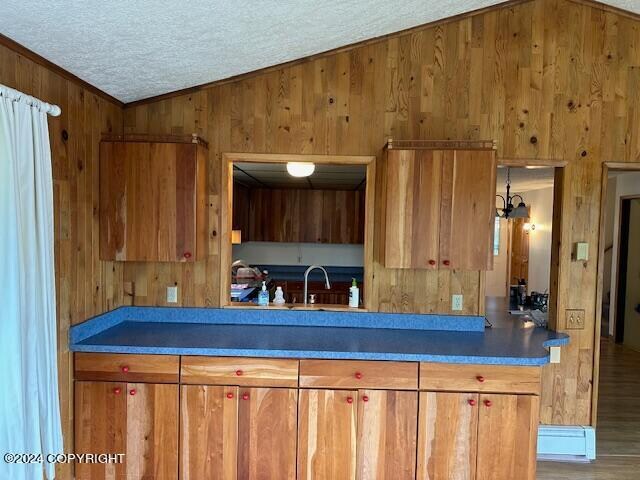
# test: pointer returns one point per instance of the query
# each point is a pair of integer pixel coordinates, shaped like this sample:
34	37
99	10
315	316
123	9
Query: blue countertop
312	334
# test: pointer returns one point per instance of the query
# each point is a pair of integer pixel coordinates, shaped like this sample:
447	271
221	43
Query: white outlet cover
172	294
456	302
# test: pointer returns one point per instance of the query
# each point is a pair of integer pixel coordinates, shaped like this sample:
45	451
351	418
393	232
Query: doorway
518	288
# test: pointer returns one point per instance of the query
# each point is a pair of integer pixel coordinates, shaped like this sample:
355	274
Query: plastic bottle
279	297
354	294
263	296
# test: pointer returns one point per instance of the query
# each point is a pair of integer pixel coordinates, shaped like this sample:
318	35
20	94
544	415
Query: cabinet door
152	202
267	428
507	437
468	207
137	419
387	434
100	427
412	213
447	436
152	431
208	432
327	435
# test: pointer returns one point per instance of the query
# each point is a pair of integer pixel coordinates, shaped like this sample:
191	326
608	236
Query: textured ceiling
133	49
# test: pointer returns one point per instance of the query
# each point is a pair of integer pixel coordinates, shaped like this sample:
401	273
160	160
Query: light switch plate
456	302
172	294
581	251
574	319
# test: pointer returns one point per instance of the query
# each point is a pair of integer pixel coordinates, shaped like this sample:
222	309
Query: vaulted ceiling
134	49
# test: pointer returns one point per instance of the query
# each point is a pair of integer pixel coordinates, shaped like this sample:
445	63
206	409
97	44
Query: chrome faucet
306	279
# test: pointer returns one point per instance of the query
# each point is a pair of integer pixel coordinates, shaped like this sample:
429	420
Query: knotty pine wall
545	79
84	285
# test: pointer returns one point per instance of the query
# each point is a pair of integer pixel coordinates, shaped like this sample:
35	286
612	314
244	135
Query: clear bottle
354	294
279	296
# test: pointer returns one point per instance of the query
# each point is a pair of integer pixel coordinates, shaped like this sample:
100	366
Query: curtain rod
16	96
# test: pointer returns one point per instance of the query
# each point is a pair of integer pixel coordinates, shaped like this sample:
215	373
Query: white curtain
29	403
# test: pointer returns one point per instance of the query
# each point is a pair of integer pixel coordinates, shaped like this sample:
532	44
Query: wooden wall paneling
545	79
84	285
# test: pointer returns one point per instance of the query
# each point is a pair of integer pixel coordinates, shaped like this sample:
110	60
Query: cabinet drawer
358	374
479	378
124	367
245	372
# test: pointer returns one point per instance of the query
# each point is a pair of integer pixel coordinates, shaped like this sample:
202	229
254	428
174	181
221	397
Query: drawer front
244	372
126	367
358	374
479	378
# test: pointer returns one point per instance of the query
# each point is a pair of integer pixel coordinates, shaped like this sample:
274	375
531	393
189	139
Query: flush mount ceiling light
508	210
300	169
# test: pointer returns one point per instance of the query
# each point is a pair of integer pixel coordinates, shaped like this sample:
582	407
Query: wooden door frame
226	206
606	166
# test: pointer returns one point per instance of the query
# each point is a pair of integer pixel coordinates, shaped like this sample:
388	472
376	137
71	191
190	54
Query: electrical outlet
574	319
456	302
172	294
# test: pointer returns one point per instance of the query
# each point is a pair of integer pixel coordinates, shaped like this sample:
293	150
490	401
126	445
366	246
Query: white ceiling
134	49
525	179
325	177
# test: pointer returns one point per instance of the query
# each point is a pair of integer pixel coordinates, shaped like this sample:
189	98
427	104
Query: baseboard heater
566	443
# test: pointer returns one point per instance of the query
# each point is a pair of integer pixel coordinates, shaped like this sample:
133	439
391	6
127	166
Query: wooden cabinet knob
245	396
132	391
480	378
125	369
446	262
349	399
239	373
187	255
358	375
229	395
472	402
488	403
432	262
117	391
365	398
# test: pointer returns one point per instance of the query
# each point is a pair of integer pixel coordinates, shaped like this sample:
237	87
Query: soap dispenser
263	295
354	294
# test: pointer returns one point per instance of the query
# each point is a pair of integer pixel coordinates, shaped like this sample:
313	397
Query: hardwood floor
618	431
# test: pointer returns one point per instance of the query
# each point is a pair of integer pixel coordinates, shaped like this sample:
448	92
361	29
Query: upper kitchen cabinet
153	199
439	205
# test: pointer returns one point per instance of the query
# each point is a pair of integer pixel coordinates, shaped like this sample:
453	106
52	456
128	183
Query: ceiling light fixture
300	169
508	210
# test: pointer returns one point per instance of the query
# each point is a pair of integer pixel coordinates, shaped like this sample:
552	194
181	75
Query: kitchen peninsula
228	393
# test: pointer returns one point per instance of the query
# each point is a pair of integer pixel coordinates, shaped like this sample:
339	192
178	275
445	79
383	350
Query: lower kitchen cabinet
267	424
327	434
137	419
470	436
387	432
508	435
230	433
365	434
447	436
